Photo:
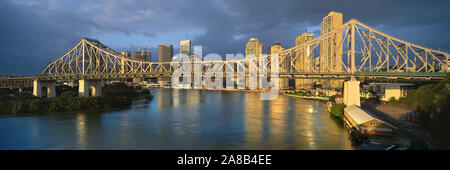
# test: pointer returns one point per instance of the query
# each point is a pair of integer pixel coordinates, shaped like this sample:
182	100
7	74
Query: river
184	119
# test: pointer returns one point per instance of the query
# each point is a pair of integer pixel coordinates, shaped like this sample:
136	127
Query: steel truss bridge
366	53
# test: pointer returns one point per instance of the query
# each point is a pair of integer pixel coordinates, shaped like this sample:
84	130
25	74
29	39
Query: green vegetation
338	110
117	95
332	98
301	94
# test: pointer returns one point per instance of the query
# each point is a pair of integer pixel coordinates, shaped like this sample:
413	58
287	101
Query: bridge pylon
351	92
93	86
49	86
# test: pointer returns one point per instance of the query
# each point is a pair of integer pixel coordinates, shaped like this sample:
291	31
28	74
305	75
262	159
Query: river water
184	119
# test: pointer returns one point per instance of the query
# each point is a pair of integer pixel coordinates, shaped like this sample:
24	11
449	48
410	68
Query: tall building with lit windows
277	49
330	53
253	47
304	60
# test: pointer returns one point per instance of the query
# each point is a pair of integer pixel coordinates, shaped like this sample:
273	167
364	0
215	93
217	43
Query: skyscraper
144	55
330	53
185	47
304	60
165	52
277	49
253	47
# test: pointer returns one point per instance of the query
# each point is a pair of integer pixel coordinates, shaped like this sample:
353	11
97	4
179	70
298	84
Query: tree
338	110
68	94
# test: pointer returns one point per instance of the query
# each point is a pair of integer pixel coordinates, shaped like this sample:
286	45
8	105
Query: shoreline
133	102
325	99
308	97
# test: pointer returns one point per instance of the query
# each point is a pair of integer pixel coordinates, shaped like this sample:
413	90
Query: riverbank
308	97
116	95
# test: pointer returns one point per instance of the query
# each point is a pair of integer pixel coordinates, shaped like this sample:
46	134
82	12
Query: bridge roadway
23	82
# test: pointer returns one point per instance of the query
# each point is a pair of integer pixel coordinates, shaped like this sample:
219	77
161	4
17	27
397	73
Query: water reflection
81	131
184	119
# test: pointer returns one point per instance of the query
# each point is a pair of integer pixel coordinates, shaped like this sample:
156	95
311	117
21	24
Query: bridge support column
94	85
38	85
83	88
97	86
51	90
351	92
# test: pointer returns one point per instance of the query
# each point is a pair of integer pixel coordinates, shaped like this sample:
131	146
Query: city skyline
45	40
225	75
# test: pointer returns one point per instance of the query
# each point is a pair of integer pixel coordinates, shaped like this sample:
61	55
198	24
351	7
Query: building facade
143	55
277	48
304	60
330	54
365	122
165	52
253	47
185	47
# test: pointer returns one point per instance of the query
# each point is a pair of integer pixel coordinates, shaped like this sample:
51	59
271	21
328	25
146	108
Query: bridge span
367	54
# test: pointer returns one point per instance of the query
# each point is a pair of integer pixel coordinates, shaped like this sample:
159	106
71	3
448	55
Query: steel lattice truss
366	52
17	82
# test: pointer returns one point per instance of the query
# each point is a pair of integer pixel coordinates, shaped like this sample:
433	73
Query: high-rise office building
144	55
165	52
185	47
304	60
277	49
253	47
126	54
330	53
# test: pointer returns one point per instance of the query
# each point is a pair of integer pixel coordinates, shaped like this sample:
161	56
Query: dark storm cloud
29	41
35	32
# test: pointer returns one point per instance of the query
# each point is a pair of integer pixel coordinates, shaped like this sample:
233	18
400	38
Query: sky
35	32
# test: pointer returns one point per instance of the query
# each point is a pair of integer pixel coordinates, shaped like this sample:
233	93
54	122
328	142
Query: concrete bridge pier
39	85
351	92
94	86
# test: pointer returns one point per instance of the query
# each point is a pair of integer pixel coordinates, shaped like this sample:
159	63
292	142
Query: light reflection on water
184	119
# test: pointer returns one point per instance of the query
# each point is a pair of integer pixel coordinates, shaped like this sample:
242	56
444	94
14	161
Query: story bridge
359	52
